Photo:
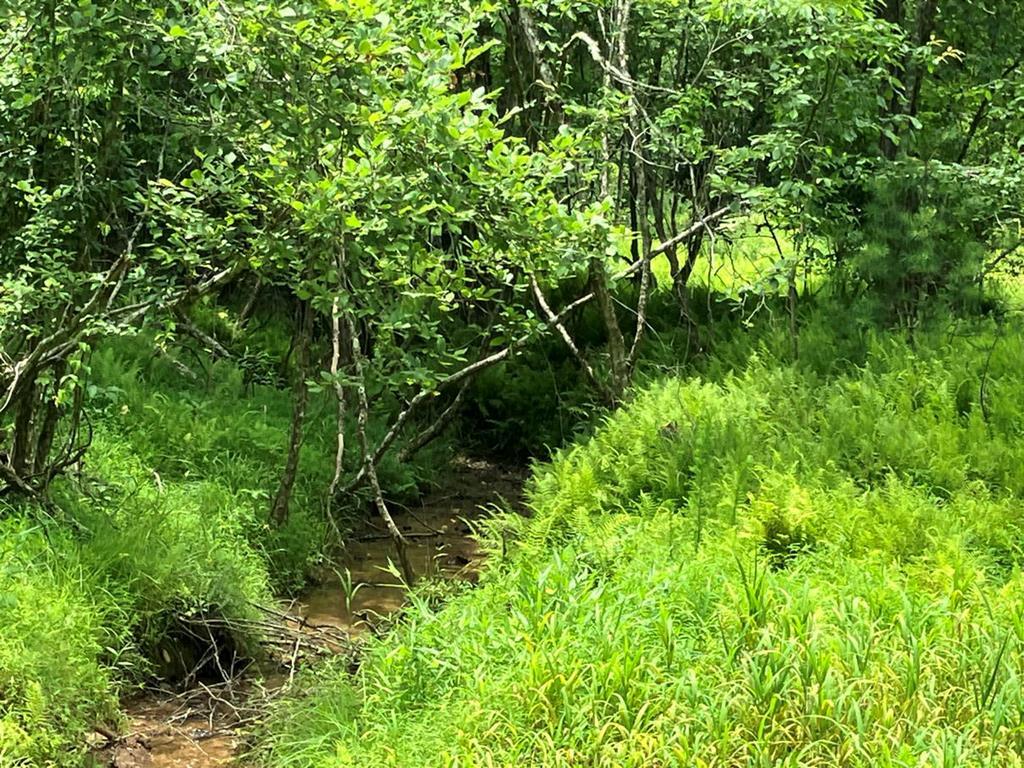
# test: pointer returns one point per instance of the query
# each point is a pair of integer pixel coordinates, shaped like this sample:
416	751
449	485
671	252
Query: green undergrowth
780	568
165	519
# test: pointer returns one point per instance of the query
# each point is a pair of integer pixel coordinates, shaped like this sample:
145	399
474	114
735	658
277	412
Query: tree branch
473	368
554	320
690	231
1005	254
435	428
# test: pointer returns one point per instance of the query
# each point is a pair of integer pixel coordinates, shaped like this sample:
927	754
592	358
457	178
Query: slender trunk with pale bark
369	465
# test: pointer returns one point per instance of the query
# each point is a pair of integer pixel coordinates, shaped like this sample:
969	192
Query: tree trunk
300	400
602	293
926	12
336	361
369	465
435	428
48	428
640	196
616	341
892	12
793	329
250	302
24	423
661	229
681	279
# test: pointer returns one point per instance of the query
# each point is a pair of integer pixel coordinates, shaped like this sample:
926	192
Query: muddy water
164	731
439	532
204	727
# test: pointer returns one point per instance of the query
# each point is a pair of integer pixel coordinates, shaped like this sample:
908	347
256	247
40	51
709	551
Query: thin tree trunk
791	295
660	228
300	400
616	341
339	388
339	396
599	278
369	465
250	302
24	422
793	330
926	11
693	246
982	111
892	12
214	347
48	429
636	155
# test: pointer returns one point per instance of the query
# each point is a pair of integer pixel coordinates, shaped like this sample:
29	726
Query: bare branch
554	320
435	428
690	231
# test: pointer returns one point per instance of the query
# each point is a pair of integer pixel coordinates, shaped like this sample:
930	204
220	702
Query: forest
479	384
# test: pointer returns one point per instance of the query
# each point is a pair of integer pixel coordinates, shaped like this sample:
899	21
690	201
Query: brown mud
205	726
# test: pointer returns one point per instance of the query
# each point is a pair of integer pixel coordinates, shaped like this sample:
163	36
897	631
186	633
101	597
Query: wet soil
204	726
166	732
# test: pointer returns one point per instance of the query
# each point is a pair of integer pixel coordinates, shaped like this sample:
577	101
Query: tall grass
784	568
165	518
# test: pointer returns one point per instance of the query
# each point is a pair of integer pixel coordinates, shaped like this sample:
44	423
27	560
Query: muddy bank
205	725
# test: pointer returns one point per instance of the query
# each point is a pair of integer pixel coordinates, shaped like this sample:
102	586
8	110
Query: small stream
205	725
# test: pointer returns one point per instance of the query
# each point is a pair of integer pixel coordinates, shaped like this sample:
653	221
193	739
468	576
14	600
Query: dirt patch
204	726
200	727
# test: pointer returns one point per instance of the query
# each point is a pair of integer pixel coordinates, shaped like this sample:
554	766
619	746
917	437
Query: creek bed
205	725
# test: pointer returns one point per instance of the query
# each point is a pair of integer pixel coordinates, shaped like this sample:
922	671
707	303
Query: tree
98	110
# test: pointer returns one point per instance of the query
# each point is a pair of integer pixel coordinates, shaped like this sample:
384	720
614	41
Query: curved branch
473	368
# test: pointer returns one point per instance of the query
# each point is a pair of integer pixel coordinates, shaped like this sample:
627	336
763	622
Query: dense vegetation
776	569
746	273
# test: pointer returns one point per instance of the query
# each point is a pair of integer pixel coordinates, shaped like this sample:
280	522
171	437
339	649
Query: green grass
166	517
865	488
744	256
84	612
779	569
